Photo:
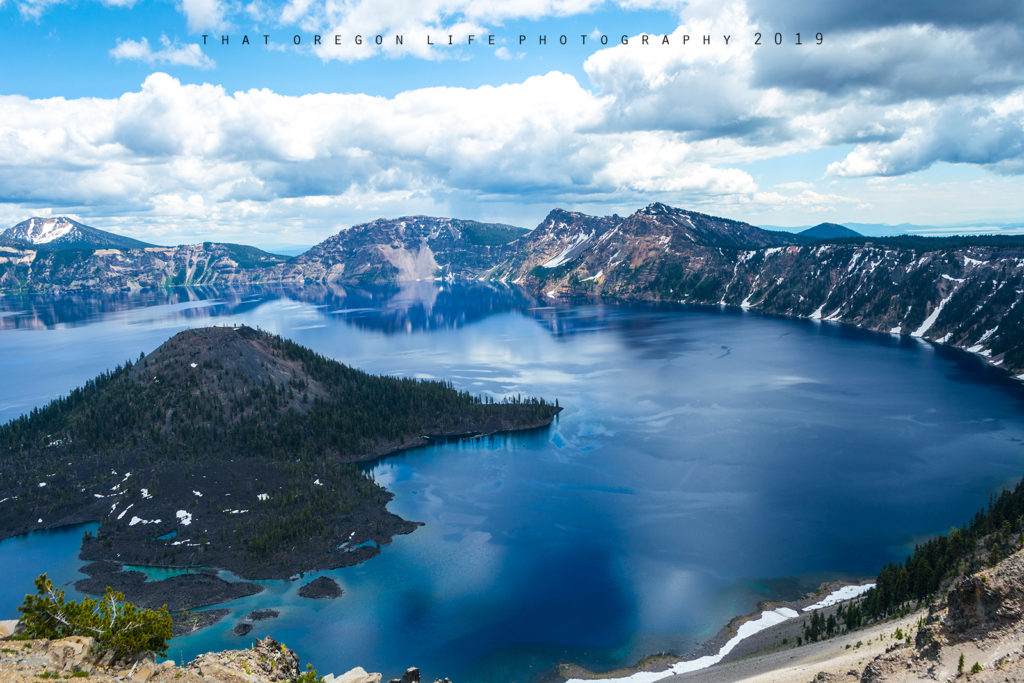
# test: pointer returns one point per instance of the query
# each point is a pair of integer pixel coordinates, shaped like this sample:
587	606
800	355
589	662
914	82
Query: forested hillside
234	448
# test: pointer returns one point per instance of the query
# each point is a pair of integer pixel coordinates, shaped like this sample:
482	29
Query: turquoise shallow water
23	558
706	459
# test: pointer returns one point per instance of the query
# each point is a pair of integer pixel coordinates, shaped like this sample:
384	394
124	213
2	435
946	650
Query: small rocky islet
320	588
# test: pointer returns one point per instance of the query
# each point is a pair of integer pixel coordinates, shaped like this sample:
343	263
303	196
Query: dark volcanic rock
185	623
926	643
242	628
262	614
322	587
183	592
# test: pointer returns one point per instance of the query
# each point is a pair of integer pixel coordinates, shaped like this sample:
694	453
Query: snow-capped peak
61	232
43	230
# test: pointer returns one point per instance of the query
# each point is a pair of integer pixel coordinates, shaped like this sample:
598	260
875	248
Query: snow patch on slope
837	596
45	230
930	320
574	248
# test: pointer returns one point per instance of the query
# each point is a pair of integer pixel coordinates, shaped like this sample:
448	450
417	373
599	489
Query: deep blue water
706	460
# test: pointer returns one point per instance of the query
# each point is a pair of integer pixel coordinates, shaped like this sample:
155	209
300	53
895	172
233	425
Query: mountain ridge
61	232
404	248
961	291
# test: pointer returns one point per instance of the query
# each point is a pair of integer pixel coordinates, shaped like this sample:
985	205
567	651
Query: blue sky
115	112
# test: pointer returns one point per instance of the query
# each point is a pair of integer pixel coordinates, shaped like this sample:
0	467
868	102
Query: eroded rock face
988	600
8	628
980	619
411	675
876	671
972	604
268	660
926	642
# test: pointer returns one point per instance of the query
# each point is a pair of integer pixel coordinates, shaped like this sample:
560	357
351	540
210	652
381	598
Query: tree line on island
234	448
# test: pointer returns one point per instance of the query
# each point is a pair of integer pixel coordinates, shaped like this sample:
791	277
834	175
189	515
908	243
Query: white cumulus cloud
189	54
203	15
685	123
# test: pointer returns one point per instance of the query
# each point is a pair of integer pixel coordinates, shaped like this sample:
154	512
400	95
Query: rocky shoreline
975	628
773	625
181	594
202	587
199	588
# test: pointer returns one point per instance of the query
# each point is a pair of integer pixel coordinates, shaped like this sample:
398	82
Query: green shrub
311	675
116	625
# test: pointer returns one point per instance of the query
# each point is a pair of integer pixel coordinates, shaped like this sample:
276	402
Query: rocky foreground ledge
77	657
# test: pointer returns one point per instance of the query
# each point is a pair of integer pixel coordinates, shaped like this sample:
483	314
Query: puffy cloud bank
889	92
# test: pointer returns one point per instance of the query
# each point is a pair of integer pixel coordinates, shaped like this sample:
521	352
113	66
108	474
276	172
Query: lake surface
706	459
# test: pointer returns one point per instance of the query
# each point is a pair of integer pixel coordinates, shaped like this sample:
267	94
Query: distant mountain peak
42	230
560	214
658	208
61	232
405	249
829	231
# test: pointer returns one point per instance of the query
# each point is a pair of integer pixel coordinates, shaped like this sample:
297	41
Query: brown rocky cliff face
981	618
988	600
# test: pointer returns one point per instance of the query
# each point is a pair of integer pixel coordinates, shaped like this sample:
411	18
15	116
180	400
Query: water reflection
413	307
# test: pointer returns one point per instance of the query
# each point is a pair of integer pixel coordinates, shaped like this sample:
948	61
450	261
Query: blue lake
706	459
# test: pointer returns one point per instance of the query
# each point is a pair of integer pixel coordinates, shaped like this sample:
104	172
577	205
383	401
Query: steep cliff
24	269
959	292
402	250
